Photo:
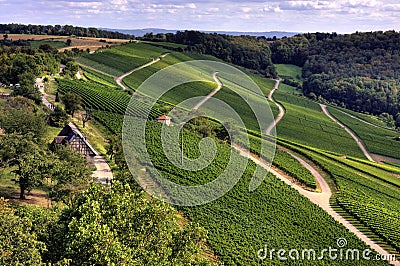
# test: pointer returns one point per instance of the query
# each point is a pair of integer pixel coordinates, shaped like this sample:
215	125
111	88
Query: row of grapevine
241	223
294	168
102	98
377	140
369	198
121	59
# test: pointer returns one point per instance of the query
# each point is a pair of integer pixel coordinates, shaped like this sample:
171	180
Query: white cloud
278	10
256	15
246	9
212	9
119	2
190	5
84	4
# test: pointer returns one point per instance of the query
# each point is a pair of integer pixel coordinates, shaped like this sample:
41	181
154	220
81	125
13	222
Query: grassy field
285	70
5	90
54	44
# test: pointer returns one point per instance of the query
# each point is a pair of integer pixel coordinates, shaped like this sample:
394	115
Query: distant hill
141	32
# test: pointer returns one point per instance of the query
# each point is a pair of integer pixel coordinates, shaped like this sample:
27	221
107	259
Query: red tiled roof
164	117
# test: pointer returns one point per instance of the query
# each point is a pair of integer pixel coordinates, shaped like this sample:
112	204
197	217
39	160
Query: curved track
280	107
351	133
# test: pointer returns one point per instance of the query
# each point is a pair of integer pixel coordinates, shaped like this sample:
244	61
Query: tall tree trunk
22	192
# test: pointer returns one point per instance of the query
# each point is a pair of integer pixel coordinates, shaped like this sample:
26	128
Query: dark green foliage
27	157
58	118
65	30
358	71
70	69
21	116
18	62
47	48
72	102
122	227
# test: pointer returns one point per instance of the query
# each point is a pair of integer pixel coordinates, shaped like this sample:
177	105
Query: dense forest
358	71
246	51
66	30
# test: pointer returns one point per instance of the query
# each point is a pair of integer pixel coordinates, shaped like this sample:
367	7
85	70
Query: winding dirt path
280	107
40	85
103	173
120	78
351	133
321	199
219	86
364	121
96	70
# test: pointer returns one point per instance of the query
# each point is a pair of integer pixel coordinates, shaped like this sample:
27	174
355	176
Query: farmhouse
164	120
71	136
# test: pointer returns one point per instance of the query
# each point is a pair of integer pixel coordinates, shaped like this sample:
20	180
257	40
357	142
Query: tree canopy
359	71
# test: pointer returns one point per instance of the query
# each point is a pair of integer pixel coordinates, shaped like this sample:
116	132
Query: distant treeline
247	51
359	71
66	30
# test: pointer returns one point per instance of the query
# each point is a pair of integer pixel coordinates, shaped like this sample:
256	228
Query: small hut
72	137
166	120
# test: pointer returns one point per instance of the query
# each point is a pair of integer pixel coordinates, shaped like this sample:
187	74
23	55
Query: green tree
18	244
47	48
57	97
69	174
58	118
114	145
26	86
70	69
86	117
123	227
72	102
22	117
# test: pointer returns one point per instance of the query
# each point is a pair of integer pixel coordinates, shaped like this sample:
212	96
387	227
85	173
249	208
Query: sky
341	16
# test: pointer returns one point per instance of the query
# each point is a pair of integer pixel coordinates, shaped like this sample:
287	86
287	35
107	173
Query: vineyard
121	59
99	78
305	123
102	98
291	166
377	140
363	192
134	80
242	222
